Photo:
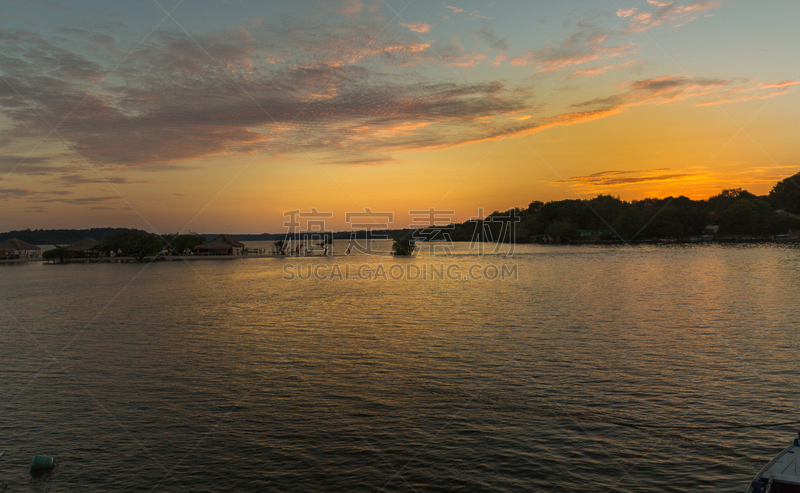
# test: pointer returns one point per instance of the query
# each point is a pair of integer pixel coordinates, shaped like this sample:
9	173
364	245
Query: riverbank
123	260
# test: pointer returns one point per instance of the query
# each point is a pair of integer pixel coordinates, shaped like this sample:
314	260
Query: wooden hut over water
221	245
86	247
16	248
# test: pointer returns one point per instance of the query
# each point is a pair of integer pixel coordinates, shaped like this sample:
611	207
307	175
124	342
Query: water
645	369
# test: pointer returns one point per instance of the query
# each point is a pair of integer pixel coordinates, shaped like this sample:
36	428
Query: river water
633	369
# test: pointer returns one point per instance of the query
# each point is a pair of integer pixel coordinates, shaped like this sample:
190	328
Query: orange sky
220	118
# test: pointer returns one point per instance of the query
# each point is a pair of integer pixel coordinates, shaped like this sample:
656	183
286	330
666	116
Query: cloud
364	160
173	102
417	27
73	180
31	165
488	36
351	8
582	47
82	200
599	70
666	89
6	193
665	12
322	89
777	85
615	178
455	10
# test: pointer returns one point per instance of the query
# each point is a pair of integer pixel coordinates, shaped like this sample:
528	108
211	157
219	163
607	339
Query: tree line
132	243
737	212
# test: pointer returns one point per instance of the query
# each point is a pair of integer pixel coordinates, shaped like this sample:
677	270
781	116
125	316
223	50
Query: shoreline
125	260
173	258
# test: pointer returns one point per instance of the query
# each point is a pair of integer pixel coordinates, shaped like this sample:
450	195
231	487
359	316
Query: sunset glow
218	117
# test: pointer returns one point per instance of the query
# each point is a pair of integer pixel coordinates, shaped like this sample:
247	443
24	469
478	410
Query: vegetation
403	245
134	244
59	254
737	212
177	244
65	236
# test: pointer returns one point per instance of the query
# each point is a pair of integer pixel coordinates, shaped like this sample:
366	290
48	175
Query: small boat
782	474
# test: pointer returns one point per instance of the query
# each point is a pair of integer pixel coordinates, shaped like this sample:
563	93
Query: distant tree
605	208
132	244
629	225
786	194
403	245
727	198
745	216
563	229
177	243
780	224
121	243
147	246
59	253
535	206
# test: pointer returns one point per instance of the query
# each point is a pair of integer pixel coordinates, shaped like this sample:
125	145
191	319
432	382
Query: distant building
16	248
782	212
84	248
221	245
711	230
593	235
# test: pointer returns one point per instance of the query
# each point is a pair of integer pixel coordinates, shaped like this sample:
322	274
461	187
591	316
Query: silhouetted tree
786	194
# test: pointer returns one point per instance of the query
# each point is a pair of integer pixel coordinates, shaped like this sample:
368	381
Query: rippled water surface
646	369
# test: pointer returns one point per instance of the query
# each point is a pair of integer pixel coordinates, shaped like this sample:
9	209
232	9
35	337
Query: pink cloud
417	27
498	59
577	49
599	70
615	178
351	8
665	12
469	60
785	83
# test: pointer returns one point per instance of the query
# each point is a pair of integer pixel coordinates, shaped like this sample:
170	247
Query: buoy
41	464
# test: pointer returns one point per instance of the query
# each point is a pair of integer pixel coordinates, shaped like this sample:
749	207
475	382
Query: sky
224	116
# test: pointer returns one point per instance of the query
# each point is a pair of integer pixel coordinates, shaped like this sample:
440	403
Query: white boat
781	475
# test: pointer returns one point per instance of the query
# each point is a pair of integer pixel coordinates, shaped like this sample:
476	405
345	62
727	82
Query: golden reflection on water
571	371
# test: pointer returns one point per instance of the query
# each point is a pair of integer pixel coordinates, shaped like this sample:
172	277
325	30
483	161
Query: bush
403	246
59	253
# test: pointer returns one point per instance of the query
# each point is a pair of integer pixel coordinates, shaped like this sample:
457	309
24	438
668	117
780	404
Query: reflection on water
599	369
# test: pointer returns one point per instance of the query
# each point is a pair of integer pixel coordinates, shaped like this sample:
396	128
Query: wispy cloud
316	88
417	27
6	193
672	88
579	48
76	179
174	102
82	200
665	12
590	72
616	178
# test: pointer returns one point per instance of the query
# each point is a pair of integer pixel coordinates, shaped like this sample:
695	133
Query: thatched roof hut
17	247
221	245
84	245
14	244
